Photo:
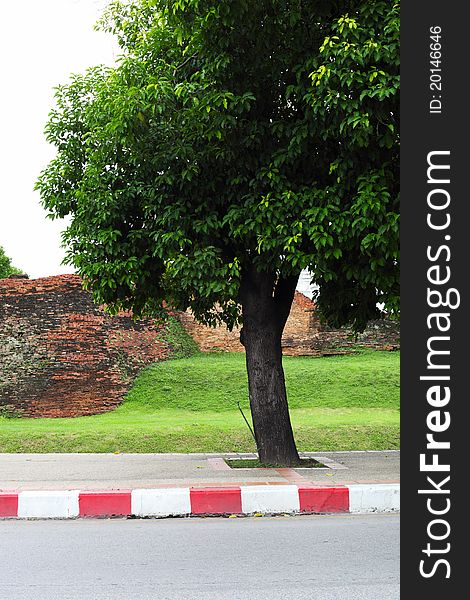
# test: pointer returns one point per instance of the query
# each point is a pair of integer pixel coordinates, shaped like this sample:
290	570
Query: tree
235	144
6	268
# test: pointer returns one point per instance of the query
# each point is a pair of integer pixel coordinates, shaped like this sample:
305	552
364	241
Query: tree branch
184	62
284	296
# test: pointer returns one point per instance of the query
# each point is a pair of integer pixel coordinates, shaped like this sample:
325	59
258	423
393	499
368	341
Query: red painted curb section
324	500
8	504
216	501
104	504
209	501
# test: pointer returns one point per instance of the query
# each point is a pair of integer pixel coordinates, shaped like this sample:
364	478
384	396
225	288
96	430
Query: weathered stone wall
61	355
304	335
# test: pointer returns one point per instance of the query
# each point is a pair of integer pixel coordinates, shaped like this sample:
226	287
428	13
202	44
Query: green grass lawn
190	405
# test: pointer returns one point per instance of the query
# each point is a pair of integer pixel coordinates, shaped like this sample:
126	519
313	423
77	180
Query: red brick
303	335
63	356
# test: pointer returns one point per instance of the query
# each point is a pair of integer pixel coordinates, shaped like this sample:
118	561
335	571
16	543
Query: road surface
278	558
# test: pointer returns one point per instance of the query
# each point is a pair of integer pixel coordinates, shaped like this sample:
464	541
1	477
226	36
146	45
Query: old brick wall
61	355
303	334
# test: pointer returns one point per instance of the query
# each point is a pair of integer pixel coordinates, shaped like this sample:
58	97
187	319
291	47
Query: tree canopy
235	144
6	268
234	133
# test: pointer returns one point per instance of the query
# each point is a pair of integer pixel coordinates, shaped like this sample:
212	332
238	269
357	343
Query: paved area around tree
129	471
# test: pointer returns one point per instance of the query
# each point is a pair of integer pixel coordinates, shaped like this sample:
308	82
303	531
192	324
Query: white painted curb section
270	498
160	502
374	498
167	502
48	505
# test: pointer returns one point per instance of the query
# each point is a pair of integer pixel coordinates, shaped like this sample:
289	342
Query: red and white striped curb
168	502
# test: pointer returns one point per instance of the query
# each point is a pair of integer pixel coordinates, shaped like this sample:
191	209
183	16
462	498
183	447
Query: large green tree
6	268
236	143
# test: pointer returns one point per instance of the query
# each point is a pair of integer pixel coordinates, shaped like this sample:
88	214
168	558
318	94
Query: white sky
41	43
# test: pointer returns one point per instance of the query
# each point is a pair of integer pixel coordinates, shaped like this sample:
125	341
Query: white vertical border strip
160	502
48	505
365	498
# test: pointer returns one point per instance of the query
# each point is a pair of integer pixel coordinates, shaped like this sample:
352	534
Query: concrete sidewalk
22	472
68	486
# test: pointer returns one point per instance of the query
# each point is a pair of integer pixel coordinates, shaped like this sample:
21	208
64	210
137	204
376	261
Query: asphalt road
278	558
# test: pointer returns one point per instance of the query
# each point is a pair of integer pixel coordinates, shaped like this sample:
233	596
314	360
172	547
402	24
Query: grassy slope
190	405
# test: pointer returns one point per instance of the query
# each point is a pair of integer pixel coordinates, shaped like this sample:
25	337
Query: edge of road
236	500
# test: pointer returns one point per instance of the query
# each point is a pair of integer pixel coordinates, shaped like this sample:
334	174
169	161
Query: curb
187	501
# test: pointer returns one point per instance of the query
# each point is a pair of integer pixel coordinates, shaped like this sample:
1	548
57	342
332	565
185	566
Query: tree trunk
266	305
